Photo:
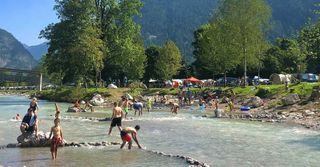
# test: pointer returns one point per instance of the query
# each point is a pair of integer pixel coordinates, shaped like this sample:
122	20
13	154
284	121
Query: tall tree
75	51
213	48
246	21
309	38
121	35
168	62
285	56
152	53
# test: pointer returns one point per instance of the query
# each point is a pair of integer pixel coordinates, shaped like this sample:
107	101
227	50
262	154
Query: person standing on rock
57	138
126	137
117	116
34	105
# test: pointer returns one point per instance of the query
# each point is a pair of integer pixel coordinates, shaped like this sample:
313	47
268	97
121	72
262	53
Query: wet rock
12	145
291	99
97	144
315	95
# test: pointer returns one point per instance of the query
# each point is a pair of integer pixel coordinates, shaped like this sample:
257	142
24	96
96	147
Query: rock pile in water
192	162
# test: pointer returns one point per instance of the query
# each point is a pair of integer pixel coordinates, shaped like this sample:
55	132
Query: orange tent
193	80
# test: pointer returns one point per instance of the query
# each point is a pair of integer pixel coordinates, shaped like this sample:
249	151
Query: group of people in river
116	120
29	126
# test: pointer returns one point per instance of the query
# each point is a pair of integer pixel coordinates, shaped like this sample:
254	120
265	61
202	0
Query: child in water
57	138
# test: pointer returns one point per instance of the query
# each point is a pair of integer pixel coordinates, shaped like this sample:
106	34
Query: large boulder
254	102
30	140
112	86
97	100
291	99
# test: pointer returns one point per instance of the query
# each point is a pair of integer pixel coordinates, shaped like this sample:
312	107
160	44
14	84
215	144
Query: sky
24	19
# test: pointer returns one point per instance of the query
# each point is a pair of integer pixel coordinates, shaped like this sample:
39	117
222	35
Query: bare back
130	130
117	112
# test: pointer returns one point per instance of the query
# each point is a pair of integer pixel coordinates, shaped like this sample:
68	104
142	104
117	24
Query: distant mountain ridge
13	54
176	20
37	51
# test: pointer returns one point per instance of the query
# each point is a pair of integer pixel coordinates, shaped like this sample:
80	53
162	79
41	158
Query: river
217	142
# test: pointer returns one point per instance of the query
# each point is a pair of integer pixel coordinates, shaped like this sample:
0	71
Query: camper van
308	77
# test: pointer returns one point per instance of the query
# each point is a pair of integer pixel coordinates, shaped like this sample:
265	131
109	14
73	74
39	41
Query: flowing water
217	142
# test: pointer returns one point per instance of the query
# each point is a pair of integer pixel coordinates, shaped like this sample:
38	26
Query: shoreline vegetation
305	111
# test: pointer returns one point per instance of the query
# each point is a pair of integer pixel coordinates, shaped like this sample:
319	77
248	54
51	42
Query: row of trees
98	39
234	40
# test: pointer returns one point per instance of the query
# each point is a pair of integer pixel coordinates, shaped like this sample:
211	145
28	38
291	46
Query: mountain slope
178	19
13	54
37	51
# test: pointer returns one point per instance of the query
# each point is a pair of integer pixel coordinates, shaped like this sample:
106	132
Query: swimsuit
116	122
126	109
125	136
55	143
137	106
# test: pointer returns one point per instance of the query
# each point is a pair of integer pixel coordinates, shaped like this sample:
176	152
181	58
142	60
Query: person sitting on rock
29	123
77	105
57	138
126	137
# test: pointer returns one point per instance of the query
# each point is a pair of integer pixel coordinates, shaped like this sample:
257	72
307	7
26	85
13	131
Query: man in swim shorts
125	106
126	137
56	132
137	106
117	115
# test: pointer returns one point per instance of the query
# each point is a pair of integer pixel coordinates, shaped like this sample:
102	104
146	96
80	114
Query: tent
280	78
193	80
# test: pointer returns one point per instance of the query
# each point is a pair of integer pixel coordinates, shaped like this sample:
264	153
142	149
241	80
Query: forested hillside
177	19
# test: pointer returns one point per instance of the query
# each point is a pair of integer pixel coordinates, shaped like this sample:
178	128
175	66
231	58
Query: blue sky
24	19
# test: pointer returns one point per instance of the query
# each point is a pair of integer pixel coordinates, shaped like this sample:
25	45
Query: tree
213	48
246	22
75	51
168	62
152	53
285	56
122	38
309	39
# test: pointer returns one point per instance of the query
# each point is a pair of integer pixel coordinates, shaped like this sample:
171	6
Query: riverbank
270	108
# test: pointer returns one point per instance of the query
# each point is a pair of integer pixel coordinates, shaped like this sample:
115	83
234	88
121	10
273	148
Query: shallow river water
217	142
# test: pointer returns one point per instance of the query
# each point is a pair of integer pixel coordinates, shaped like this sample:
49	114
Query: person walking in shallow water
117	116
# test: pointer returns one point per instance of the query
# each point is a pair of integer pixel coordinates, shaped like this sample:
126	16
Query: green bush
263	92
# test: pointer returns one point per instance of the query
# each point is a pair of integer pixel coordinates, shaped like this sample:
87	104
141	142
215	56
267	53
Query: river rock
97	100
254	102
308	113
291	99
315	95
30	140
